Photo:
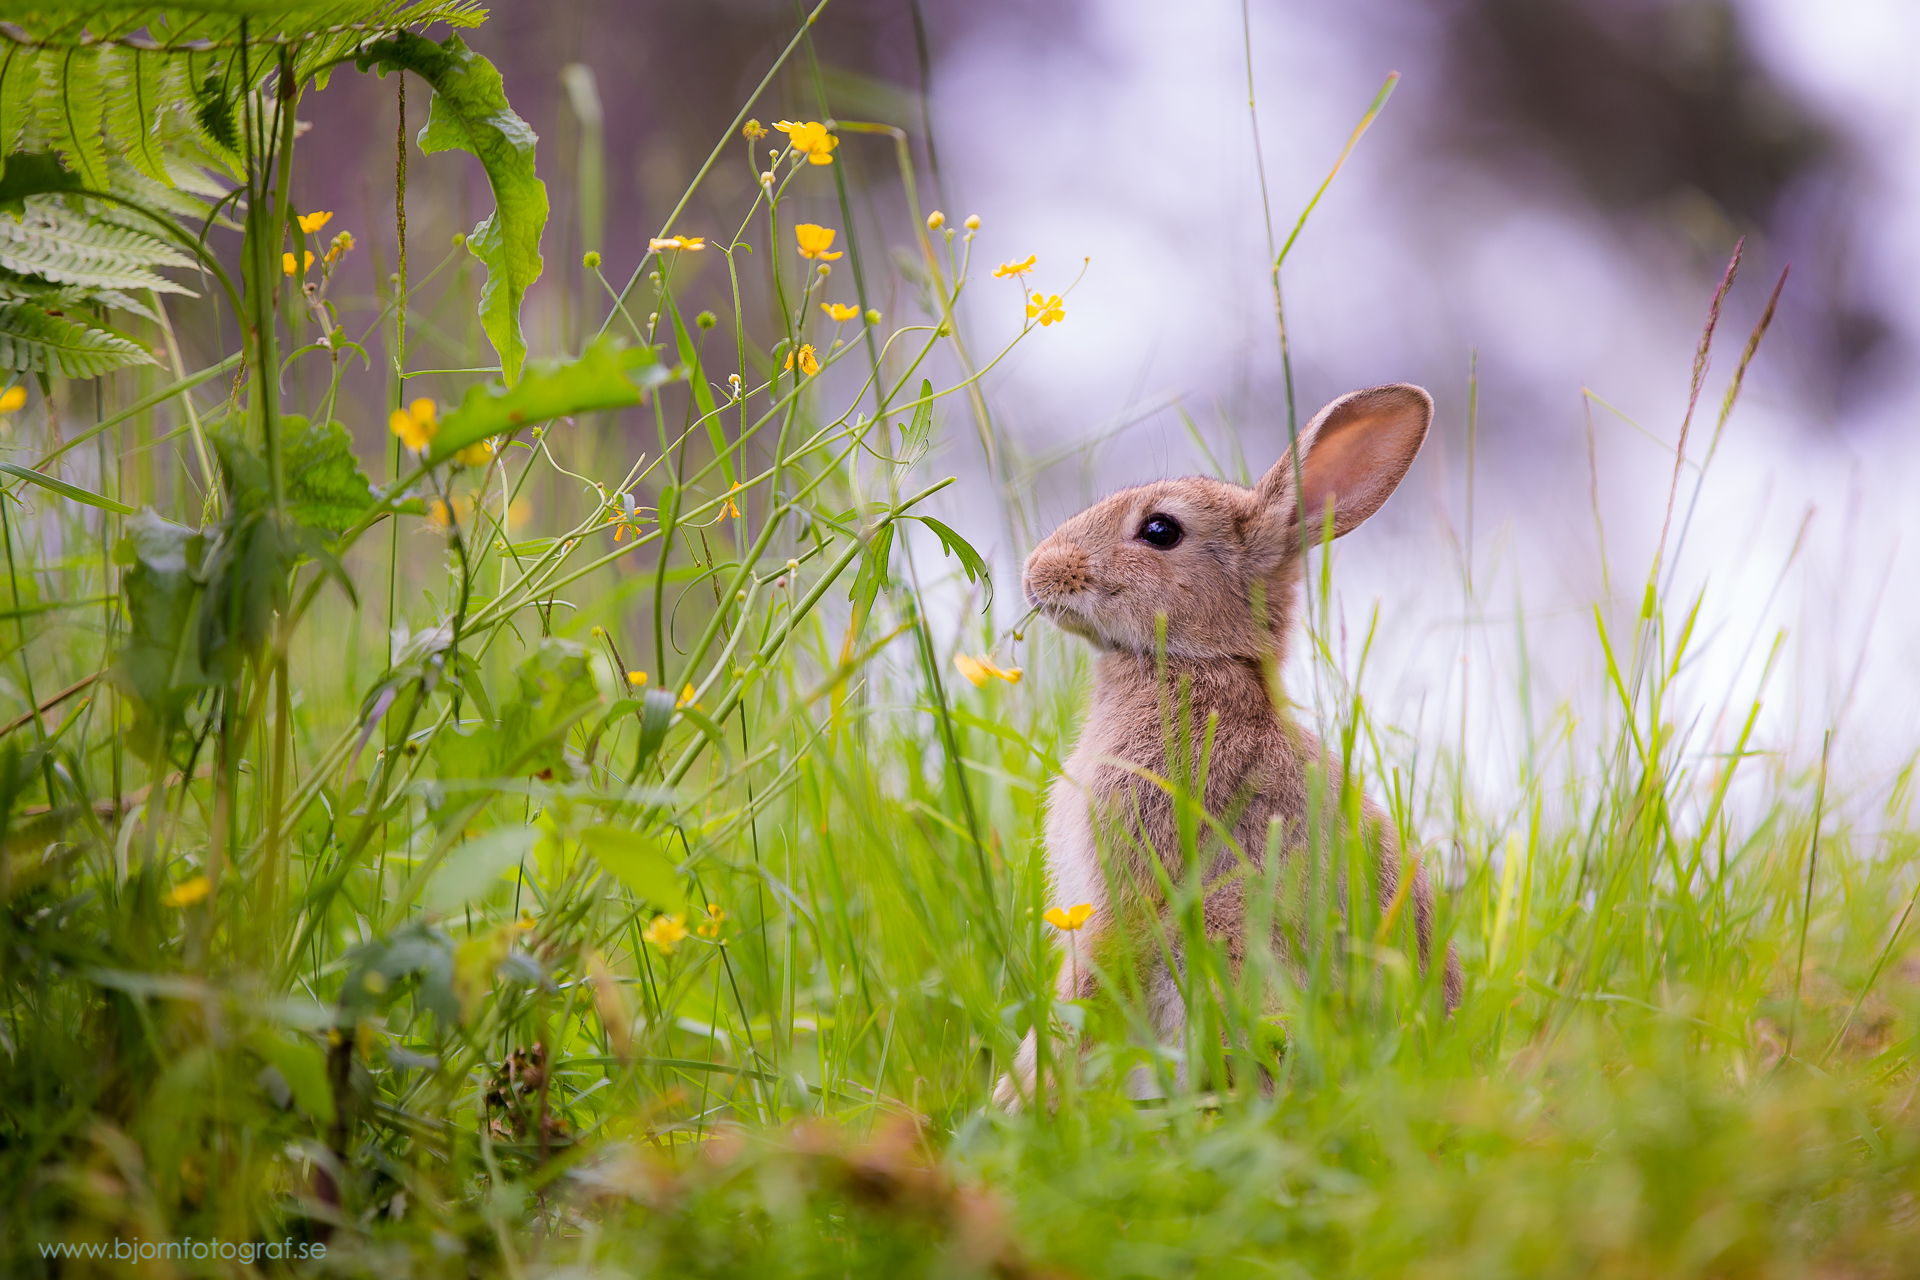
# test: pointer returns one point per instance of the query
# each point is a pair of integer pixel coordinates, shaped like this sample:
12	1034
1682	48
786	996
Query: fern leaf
32	341
19	77
41	293
79	110
133	109
58	246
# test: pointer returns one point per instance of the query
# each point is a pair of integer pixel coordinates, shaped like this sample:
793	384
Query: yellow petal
311	222
969	667
1080	915
187	892
12	398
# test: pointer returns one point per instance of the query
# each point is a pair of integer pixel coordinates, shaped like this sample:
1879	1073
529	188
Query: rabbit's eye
1160	531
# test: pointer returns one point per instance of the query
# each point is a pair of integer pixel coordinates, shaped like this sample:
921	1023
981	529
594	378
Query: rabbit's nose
1054	570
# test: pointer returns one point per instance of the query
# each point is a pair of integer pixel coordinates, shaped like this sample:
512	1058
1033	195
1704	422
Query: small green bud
706	320
873	317
591	261
459	238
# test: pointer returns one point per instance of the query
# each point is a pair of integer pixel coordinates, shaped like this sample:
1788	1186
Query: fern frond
41	293
72	113
55	244
135	89
93	82
32	341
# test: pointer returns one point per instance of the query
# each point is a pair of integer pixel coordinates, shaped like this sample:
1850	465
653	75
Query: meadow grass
393	910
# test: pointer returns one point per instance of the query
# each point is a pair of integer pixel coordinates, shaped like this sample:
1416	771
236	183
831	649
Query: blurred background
1535	222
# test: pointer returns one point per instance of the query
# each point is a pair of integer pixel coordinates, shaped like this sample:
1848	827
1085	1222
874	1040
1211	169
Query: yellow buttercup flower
729	509
1046	310
710	927
638	679
980	670
288	265
416	424
666	933
809	362
475	454
187	892
625	517
12	398
677	242
312	222
1017	268
815	241
753	131
342	243
1071	919
811	139
839	311
686	700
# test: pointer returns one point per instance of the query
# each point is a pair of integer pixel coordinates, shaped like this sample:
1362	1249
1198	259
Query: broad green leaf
304	1068
639	863
608	375
470	113
158	667
415	950
476	867
325	488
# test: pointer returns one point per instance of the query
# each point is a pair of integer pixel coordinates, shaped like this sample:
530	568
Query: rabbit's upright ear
1353	454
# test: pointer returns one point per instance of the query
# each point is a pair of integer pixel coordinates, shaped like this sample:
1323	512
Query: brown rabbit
1200	553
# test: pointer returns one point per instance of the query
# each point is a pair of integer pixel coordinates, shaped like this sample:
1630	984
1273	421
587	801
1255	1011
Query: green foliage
553	691
608	375
325	488
31	341
470	113
85	86
52	243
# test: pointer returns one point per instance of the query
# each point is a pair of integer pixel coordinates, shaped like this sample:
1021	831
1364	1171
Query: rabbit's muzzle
1056	571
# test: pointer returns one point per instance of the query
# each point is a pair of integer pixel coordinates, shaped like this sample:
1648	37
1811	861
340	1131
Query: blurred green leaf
304	1068
158	667
70	492
638	862
476	867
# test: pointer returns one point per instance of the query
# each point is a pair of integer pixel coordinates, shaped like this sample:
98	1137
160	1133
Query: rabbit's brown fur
1099	576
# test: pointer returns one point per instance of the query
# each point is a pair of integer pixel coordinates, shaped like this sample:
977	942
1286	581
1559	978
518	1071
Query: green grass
312	936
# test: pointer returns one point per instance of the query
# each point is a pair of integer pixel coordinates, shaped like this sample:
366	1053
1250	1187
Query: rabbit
1202	554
